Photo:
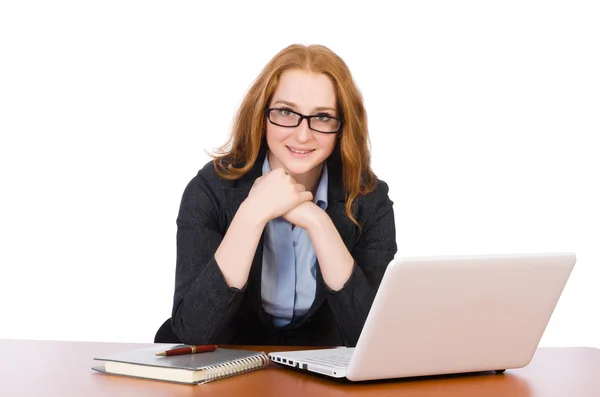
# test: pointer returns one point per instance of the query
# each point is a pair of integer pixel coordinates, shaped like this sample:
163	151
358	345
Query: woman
284	237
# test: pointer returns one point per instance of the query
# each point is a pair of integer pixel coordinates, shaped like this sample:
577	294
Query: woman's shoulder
209	177
209	173
375	201
377	194
374	205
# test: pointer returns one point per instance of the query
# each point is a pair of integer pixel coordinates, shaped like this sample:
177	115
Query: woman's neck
311	179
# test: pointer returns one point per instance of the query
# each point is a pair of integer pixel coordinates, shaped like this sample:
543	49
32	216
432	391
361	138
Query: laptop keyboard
330	361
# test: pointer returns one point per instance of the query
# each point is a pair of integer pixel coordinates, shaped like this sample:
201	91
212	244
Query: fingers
279	172
305	196
279	177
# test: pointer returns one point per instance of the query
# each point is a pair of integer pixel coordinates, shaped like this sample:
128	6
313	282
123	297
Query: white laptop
448	315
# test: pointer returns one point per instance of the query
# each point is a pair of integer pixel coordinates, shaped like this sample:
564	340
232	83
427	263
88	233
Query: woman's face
299	149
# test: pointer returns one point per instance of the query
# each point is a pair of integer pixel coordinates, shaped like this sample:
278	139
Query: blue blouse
288	281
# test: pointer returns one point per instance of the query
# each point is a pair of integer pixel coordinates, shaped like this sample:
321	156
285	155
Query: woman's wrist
317	220
251	215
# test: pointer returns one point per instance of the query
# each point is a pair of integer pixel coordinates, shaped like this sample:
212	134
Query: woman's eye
285	112
323	117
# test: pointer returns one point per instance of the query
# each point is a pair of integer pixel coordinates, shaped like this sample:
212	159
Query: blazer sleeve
374	250
203	304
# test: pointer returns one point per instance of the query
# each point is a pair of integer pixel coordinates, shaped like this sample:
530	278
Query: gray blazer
206	310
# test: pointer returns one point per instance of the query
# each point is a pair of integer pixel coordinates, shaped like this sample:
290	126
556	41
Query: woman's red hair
240	153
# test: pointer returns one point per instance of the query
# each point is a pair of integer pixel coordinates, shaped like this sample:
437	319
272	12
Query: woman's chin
298	169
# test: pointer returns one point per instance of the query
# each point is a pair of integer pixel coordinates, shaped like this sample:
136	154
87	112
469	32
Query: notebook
188	368
448	315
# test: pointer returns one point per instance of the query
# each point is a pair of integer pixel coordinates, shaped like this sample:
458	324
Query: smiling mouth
300	151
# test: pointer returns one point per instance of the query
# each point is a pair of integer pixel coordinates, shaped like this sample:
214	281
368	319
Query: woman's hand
275	194
304	215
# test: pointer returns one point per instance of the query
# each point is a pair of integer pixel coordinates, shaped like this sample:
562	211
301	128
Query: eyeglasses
321	122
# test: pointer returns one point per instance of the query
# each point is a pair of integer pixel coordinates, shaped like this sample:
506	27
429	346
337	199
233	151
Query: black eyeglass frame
302	117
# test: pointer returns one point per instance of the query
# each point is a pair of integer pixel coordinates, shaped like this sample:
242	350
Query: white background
484	120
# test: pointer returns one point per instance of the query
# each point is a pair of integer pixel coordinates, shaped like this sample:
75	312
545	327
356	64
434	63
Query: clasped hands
277	194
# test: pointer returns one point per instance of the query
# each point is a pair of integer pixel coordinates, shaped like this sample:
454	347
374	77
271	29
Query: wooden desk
46	368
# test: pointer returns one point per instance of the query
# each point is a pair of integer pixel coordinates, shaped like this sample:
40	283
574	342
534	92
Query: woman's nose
303	133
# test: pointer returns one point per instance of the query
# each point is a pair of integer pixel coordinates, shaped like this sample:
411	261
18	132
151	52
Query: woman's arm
204	301
335	261
353	277
213	266
372	253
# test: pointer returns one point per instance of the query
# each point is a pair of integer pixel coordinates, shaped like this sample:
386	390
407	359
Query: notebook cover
192	362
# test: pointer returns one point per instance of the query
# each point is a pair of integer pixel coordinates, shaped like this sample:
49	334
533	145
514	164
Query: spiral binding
235	367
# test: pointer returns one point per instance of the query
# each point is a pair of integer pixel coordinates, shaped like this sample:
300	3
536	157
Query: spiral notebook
188	368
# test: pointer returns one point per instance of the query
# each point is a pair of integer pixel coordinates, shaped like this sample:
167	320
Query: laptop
448	315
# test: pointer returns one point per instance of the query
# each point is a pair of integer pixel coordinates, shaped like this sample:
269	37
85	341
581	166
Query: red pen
188	350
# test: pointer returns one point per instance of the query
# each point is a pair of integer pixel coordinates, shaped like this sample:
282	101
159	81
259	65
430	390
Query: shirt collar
321	196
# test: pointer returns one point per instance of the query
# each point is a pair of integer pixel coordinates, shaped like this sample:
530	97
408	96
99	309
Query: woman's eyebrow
293	105
290	104
322	108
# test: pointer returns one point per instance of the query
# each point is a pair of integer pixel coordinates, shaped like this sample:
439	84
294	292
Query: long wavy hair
240	153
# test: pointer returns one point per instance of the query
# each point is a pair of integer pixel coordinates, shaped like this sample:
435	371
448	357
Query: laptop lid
441	315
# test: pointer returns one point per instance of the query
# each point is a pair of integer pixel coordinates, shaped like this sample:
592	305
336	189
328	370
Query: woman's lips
300	152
